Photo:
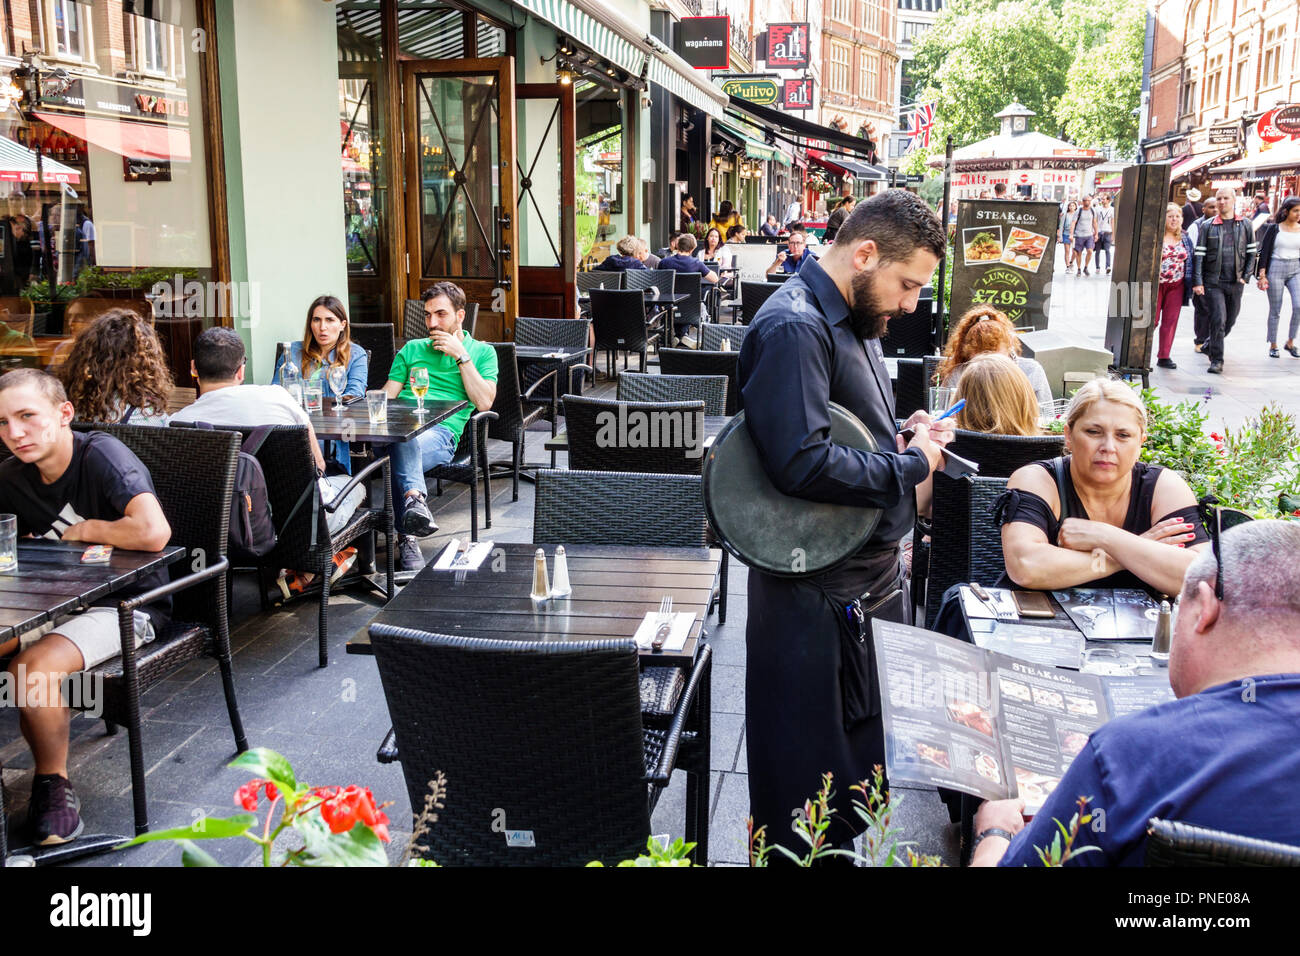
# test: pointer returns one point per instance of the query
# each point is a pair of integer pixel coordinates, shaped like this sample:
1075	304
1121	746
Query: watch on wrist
462	361
991	831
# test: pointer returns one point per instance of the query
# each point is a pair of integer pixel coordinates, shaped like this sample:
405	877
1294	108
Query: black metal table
50	583
352	423
668	303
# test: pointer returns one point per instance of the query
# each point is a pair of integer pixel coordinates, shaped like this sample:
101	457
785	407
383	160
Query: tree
1102	93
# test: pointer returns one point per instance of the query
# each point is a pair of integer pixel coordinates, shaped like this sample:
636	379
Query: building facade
913	19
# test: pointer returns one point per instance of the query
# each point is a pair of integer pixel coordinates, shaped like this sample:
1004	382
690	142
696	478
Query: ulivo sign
762	90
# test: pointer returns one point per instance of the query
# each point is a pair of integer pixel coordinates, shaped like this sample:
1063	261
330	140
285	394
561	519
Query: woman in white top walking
1279	268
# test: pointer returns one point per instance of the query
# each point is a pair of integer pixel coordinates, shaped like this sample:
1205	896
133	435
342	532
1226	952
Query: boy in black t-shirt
86	487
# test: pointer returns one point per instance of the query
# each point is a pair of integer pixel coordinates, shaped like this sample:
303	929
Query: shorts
95	633
1084	242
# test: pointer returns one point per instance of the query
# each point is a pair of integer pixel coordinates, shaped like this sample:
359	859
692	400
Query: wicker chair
673	438
662	279
752	297
377	339
599	279
303	541
910	388
512	419
1171	843
1000	455
569	335
468	465
193	474
690	312
578	778
711	337
966	544
414	326
709	389
776	278
695	362
619	318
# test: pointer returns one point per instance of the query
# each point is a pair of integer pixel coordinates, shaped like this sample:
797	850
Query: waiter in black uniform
812	703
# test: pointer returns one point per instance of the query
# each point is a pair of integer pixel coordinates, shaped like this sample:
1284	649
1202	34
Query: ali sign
797	94
1267	128
787	46
763	90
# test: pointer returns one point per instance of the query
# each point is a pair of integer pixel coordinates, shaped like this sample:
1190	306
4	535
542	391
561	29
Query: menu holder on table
458	557
1051	646
1111	615
681	630
971	719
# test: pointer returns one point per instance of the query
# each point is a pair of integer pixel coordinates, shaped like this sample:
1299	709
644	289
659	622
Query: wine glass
338	379
420	387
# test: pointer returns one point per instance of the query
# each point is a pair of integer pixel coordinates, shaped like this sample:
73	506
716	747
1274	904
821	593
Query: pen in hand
952	411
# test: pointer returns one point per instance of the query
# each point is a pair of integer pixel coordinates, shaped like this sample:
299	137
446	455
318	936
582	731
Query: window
1213	80
1189	94
870	75
1239	87
839	81
69	28
152	40
841	11
1272	56
871	21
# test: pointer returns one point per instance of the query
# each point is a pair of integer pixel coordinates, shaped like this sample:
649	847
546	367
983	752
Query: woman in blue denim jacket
326	342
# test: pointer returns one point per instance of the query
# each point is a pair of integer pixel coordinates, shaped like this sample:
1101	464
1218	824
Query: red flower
1216	436
272	792
246	796
342	808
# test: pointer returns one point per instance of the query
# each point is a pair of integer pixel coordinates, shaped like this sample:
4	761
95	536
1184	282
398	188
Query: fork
665	624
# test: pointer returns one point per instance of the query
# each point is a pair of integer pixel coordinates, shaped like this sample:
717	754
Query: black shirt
100	481
1227	253
801	354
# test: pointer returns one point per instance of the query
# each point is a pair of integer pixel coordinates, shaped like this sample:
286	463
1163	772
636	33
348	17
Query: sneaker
1086	272
689	340
1274	353
1196	346
343	562
293	582
1216	368
1166	363
416	517
409	556
55	810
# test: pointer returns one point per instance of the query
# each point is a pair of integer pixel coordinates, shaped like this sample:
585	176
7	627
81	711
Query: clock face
1018	124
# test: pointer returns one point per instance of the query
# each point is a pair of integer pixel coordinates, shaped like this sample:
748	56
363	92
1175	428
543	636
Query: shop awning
843	164
1189	164
18	165
1283	156
795	131
666	73
125	137
1111	182
745	133
589	31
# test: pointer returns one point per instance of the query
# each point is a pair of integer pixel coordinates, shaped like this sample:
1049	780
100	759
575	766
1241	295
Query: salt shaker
561	588
541	589
1164	631
725	345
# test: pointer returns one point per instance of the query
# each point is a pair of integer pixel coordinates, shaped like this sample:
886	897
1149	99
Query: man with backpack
83	487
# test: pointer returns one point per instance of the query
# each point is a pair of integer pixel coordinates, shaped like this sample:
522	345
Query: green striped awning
669	77
588	31
751	137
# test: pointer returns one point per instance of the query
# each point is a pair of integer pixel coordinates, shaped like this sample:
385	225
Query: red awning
126	137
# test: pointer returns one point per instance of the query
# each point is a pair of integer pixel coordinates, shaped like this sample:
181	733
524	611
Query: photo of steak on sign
1002	245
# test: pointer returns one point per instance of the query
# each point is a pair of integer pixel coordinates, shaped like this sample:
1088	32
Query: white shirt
245	405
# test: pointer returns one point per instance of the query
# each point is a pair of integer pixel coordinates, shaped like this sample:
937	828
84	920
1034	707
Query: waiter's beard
868	318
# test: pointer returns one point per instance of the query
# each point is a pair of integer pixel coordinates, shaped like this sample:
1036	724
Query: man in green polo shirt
460	369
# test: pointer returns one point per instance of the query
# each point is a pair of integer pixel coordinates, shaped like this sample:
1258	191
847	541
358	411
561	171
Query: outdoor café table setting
49	582
378	421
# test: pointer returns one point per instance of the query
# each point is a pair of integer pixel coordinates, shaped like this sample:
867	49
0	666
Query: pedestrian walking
1192	209
1176	253
1084	228
1064	237
1105	231
1279	269
1224	259
1200	307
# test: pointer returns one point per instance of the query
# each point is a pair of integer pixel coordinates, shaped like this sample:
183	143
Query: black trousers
1224	303
1200	319
795	695
1103	245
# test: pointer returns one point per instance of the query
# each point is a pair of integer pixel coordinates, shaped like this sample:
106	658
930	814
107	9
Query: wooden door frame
507	148
568	185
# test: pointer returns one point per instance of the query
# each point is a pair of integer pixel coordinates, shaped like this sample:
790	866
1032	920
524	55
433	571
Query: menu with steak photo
970	719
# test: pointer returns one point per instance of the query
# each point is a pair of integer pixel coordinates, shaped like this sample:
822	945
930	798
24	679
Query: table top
542	353
402	425
613	588
712	425
50	581
657	297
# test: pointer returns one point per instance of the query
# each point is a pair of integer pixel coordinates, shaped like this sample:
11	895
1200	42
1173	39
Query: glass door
546	214
462	185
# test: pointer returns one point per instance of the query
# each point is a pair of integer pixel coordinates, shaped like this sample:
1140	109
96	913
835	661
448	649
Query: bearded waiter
811	698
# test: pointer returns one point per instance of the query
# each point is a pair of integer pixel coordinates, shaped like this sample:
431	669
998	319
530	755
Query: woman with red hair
984	329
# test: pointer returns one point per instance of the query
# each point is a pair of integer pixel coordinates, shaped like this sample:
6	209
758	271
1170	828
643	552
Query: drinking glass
313	396
420	387
377	406
338	377
8	542
941	400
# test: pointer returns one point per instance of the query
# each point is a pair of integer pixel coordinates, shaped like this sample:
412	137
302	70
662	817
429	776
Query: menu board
1005	254
971	719
1105	614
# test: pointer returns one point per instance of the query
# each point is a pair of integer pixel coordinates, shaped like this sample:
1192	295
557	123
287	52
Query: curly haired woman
985	329
116	371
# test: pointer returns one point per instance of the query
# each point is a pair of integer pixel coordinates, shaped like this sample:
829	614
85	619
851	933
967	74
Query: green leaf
269	765
192	855
358	847
207	828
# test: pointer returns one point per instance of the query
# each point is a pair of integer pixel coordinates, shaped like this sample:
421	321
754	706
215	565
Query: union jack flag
921	122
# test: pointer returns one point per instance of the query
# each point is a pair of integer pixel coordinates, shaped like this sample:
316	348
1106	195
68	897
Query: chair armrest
552	374
668	759
221	565
579	367
387	752
366	472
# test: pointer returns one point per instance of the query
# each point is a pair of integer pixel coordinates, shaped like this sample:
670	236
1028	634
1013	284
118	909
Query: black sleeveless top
1029	508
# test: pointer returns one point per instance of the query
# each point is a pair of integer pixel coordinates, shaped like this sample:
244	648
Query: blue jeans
411	459
1283	274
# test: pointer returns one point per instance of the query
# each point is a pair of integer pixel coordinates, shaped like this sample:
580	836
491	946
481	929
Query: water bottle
290	376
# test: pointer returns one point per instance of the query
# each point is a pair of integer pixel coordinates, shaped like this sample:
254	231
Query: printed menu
971	719
1105	614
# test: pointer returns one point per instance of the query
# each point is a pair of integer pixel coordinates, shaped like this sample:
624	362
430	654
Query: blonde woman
999	398
1123	523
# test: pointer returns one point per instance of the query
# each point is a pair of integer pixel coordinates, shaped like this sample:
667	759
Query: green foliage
1102	94
1062	849
676	853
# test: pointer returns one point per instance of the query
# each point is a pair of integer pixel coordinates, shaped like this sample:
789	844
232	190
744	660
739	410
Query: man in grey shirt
1084	230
